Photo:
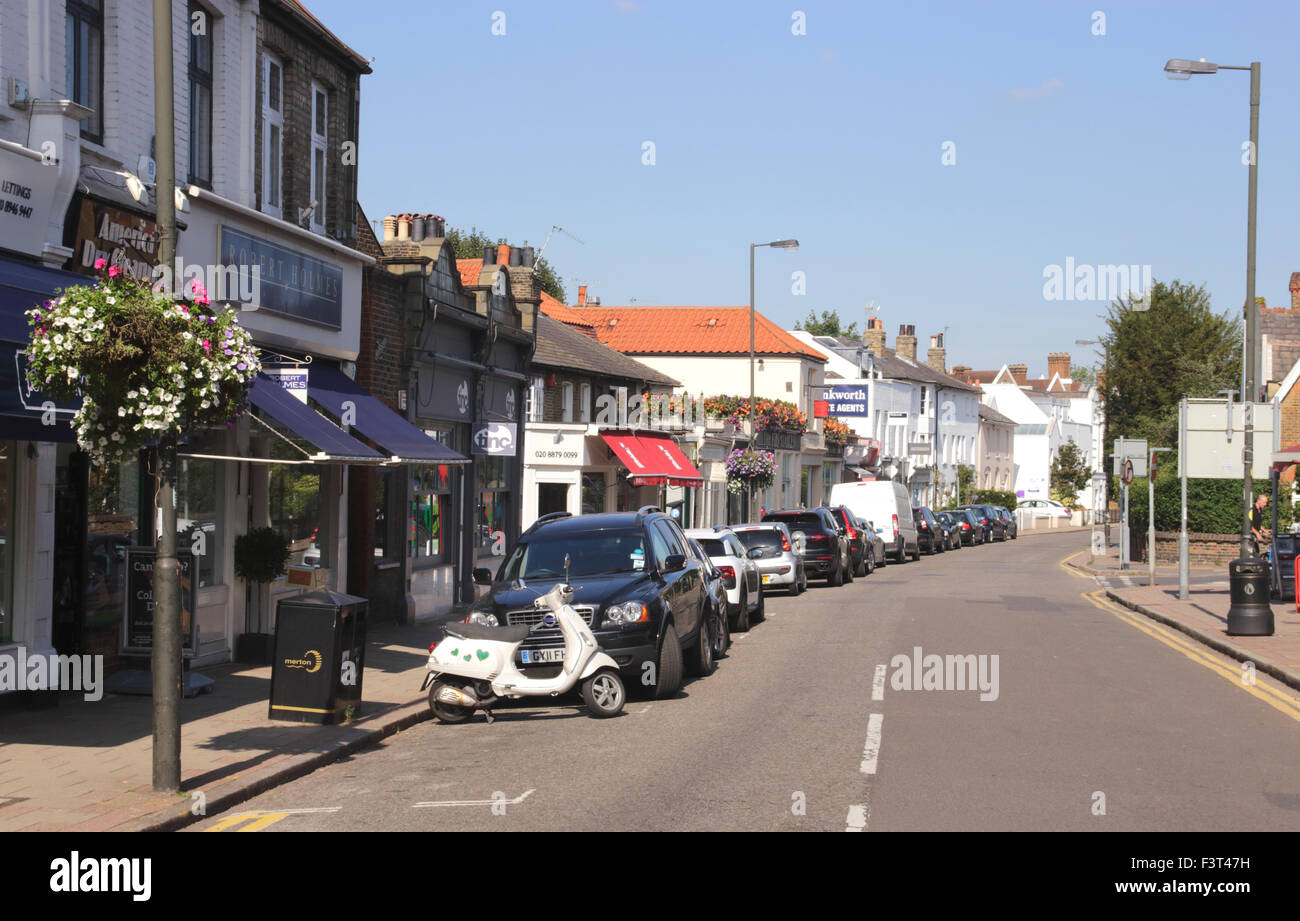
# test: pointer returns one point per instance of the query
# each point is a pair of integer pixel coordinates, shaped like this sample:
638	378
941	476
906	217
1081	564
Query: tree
1069	473
1086	374
470	245
828	325
1179	345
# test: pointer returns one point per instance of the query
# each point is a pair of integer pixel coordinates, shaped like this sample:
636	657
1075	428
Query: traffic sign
1127	473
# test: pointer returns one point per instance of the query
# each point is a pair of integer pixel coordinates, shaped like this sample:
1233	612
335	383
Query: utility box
320	648
1283	569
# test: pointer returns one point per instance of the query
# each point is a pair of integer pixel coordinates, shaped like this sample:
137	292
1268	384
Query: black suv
635	580
825	546
928	534
862	560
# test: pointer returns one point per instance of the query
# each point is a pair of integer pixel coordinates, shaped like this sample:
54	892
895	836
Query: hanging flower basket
750	469
146	366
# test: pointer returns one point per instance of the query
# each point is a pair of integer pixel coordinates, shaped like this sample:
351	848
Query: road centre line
878	683
871	751
1264	692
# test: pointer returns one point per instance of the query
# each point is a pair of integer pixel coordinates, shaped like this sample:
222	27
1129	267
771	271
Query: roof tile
690	331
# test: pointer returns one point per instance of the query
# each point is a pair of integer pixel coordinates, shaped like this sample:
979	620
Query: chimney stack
960	371
905	344
937	357
1059	363
1295	291
874	337
1020	373
582	299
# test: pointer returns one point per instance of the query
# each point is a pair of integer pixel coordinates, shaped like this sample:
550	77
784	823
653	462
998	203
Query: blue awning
24	286
331	441
332	389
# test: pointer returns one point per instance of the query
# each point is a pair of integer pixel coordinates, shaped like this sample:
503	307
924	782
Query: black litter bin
1250	613
1284	554
320	649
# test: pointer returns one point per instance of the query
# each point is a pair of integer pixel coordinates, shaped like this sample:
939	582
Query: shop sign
846	401
495	438
26	197
293	380
569	450
118	237
137	625
293	283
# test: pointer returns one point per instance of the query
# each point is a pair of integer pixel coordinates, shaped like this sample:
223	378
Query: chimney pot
417	228
489	255
503	254
404	227
390	228
582	297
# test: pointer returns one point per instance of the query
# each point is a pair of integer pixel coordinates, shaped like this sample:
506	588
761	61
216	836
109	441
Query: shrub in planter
261	556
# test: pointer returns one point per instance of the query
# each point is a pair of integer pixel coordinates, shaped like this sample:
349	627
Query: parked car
635	580
888	505
951	530
928	533
739	571
875	542
772	548
716	589
862	563
1045	508
825	549
968	523
1009	519
994	527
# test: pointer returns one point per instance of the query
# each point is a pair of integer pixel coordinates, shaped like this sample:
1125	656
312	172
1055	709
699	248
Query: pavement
87	766
1204	615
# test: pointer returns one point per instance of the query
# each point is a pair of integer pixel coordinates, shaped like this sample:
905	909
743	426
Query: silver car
770	545
739	573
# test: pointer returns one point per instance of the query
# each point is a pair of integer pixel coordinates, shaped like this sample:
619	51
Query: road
1094	723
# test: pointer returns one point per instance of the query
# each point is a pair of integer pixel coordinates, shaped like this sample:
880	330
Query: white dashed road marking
871	751
477	802
878	684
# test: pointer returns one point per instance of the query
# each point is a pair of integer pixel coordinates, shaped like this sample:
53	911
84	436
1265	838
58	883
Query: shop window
496	502
84	62
593	493
8	453
552	497
430	514
198	510
113	505
296	500
200	75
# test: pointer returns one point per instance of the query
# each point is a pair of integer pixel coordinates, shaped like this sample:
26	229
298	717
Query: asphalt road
1096	725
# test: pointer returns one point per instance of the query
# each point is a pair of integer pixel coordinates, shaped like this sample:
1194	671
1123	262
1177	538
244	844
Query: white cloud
1049	88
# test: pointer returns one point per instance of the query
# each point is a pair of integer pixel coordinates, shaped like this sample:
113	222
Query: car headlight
630	612
486	618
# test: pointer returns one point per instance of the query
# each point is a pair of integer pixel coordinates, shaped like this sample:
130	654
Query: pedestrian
1260	534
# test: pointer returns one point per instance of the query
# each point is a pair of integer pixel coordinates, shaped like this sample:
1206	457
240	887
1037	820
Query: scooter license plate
541	656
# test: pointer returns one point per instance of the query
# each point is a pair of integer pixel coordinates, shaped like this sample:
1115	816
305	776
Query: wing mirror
482	576
675	562
755	553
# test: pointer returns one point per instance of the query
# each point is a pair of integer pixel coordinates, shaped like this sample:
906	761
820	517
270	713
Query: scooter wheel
447	713
603	693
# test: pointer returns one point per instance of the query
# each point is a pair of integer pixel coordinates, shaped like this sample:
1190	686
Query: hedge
1213	506
1001	497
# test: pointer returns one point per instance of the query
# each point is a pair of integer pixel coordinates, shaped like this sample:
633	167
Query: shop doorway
552	497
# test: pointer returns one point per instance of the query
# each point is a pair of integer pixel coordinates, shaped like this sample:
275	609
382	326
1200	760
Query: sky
934	159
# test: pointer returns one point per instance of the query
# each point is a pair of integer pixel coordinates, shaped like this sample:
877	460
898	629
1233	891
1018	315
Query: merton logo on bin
310	662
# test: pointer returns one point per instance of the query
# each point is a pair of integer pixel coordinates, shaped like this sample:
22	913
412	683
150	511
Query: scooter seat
484	632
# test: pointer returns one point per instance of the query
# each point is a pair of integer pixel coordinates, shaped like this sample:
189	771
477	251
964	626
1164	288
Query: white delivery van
888	506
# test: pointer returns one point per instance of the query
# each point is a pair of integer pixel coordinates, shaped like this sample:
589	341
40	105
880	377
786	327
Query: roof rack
549	516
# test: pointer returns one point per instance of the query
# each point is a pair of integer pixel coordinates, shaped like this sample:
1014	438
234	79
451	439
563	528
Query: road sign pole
1182	477
1123	525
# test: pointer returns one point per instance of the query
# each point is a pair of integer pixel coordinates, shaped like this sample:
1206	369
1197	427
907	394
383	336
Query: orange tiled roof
469	269
690	331
558	311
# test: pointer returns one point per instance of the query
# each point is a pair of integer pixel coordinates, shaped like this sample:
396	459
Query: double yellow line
259	821
1279	700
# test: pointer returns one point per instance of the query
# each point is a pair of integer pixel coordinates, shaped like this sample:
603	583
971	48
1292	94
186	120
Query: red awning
653	459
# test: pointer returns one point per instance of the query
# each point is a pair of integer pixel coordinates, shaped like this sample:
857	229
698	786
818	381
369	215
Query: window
84	63
534	400
430	508
923	396
272	136
584	403
567	402
496	502
198	503
319	146
296	499
593	493
200	73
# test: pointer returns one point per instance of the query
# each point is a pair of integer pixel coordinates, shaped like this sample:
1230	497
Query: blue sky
1068	145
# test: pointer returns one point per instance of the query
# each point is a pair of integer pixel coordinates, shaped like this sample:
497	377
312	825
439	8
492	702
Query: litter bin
1283	567
320	649
1250	613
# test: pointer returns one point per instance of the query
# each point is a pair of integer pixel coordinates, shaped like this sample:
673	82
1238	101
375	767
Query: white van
888	506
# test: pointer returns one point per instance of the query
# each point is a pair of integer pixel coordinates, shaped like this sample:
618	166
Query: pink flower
207	346
100	263
114	271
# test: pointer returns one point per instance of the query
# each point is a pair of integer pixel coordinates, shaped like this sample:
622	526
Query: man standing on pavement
1260	533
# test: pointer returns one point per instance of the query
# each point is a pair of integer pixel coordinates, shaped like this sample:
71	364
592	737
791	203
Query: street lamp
775	244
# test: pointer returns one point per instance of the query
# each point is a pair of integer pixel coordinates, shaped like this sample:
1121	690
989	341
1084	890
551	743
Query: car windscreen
769	538
713	547
593	553
802	520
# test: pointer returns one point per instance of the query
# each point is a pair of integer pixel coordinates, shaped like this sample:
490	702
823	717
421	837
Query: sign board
495	438
290	282
120	238
1134	448
26	199
1214	448
293	380
556	449
137	625
847	401
918	447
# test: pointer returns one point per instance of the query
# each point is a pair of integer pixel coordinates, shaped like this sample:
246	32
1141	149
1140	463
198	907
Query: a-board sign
137	624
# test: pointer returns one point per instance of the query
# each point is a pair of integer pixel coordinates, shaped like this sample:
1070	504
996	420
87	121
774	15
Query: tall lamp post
1179	69
775	244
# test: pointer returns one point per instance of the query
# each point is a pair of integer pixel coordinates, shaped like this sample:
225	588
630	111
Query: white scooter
474	666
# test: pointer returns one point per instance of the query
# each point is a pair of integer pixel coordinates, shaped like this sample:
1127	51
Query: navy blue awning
331	388
331	441
24	286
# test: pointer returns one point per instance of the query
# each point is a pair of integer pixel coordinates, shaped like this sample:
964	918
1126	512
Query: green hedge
1213	506
1001	497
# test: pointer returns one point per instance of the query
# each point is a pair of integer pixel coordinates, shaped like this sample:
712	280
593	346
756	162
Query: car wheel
742	619
670	665
836	578
868	564
703	661
916	554
760	611
801	585
848	571
603	693
723	640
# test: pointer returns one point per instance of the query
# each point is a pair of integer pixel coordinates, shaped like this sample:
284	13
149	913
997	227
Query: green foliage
469	245
1069	473
1083	373
1002	497
828	325
1179	346
965	481
1213	506
261	555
